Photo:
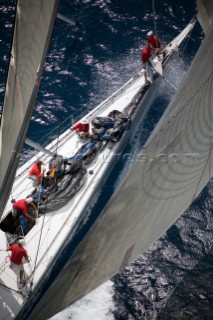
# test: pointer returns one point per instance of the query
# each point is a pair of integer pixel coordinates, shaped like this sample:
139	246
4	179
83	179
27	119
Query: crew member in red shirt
36	173
145	56
82	128
17	254
22	206
153	40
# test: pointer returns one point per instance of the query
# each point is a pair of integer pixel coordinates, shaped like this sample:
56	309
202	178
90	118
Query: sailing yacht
58	223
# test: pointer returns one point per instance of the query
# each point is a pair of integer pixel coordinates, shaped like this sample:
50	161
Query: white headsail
33	28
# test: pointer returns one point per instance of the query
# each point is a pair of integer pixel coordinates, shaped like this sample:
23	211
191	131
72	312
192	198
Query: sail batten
33	27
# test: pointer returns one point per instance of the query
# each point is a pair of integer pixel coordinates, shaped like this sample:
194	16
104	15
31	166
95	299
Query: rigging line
16	291
58	138
35	267
182	50
23	190
72	47
39	242
154	18
72	50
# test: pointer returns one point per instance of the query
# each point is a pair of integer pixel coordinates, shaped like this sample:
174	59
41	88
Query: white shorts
35	180
16	267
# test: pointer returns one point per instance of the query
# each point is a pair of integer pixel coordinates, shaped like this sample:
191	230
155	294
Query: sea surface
86	63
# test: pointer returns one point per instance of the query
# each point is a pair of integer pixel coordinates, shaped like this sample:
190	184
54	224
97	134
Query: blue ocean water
84	66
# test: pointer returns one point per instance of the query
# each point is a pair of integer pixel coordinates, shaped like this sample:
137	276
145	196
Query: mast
33	28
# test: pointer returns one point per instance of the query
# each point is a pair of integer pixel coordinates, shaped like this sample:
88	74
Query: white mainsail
33	28
174	166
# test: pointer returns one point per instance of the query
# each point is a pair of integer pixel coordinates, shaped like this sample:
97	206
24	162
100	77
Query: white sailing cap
28	200
84	121
150	33
21	242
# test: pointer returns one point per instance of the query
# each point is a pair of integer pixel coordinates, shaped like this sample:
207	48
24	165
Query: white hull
52	230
